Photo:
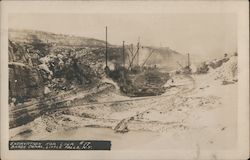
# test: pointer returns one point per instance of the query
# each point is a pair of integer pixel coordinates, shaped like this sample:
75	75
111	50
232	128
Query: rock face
17	53
40	61
24	82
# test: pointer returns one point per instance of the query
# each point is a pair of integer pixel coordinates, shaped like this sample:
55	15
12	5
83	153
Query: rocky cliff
42	62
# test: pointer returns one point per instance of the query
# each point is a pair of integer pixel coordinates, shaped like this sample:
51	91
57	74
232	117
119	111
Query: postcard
124	80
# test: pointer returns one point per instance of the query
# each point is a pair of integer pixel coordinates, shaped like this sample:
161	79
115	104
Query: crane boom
147	58
179	64
131	62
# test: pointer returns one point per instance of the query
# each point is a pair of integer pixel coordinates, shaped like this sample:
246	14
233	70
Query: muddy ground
195	110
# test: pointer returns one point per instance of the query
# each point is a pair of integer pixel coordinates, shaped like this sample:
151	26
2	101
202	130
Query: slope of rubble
58	62
227	71
45	69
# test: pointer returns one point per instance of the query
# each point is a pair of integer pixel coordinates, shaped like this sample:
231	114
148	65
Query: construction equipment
138	46
133	58
180	65
123	53
186	69
150	54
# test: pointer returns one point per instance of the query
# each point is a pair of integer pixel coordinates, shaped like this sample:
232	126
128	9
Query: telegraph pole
106	46
123	53
123	71
188	60
138	45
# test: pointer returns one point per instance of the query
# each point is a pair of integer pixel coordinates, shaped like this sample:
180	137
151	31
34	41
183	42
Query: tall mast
106	46
138	45
123	53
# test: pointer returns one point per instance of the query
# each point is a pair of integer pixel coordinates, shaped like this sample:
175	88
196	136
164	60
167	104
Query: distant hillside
29	36
29	44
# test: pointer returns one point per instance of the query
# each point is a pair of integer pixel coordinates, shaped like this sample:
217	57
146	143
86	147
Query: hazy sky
204	34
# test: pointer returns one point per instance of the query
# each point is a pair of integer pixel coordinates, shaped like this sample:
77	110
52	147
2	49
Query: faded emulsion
170	85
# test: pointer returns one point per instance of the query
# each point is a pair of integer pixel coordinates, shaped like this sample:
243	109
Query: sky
203	34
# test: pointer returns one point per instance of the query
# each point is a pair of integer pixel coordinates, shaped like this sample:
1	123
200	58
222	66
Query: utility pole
123	56
138	46
188	60
106	47
123	53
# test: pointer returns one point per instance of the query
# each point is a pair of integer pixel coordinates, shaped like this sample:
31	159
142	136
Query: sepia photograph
140	81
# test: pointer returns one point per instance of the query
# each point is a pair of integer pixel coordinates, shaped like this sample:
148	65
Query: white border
240	8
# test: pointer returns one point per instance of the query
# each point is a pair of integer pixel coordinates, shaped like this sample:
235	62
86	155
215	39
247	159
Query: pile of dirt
227	72
217	62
